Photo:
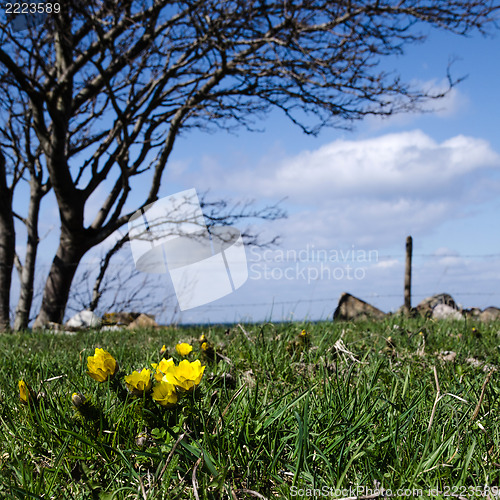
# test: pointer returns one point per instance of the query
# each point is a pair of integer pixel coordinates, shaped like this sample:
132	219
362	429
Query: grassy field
342	410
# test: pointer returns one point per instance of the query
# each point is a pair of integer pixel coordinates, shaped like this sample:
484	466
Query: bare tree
23	165
111	86
38	189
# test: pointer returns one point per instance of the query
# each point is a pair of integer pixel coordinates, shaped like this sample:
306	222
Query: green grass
276	417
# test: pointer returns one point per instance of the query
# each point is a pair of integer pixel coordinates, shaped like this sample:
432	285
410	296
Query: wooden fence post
407	292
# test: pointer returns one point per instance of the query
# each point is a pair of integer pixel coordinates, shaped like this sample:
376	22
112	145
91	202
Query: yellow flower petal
162	367
139	383
164	394
101	365
23	391
26	393
186	376
183	348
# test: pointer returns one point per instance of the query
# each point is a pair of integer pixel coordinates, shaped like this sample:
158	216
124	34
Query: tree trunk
7	246
61	274
7	252
28	270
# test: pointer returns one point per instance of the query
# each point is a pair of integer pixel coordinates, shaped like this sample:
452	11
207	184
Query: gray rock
490	314
84	319
442	311
143	321
473	312
427	305
351	308
120	318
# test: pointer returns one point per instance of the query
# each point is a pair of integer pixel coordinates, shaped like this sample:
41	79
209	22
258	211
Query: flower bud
78	399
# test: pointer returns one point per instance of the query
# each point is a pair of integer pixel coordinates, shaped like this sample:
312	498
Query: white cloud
402	165
374	191
389	264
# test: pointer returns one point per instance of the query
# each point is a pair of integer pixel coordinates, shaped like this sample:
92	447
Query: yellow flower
304	339
186	376
183	349
101	365
162	368
164	394
26	393
163	349
139	383
202	338
208	351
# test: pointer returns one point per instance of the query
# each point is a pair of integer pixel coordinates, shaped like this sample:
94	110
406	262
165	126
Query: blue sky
435	176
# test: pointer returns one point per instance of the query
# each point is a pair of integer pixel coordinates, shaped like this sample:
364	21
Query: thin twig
340	347
247	335
142	489
436	400
483	389
455	452
194	480
476	412
254	493
224	358
179	439
53	378
436	379
454	396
